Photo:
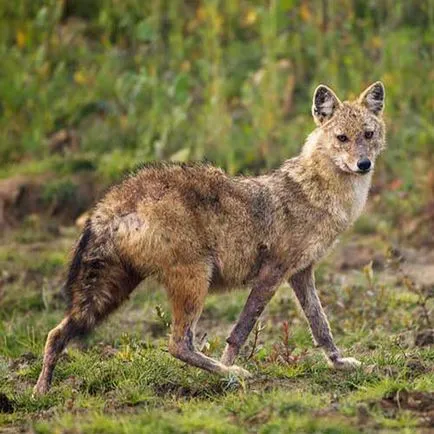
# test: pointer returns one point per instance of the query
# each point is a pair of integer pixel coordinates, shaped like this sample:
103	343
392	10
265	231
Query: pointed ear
325	102
373	98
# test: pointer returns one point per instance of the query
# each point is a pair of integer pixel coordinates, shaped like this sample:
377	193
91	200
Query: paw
346	364
238	371
229	355
40	389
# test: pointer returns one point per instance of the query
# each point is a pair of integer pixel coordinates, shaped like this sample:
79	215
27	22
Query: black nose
364	164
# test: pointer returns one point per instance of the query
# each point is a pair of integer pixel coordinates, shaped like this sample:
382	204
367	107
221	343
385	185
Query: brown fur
196	229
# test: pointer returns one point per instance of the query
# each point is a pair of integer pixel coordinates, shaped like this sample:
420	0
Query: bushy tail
98	280
76	262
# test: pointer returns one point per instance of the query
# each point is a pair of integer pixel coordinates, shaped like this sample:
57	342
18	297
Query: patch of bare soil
22	196
418	264
22	362
424	338
355	256
6	405
421	403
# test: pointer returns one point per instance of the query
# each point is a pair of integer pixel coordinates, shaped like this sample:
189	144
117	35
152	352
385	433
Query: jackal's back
170	214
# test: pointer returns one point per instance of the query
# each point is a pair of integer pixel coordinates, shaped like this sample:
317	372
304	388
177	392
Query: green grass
122	378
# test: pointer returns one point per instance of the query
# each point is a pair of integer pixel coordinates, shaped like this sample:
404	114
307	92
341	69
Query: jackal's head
350	133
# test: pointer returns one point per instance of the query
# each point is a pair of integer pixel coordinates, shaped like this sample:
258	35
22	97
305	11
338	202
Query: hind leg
81	319
187	287
57	340
90	306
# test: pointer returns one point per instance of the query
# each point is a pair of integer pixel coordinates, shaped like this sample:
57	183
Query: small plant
127	348
163	317
259	328
283	351
368	271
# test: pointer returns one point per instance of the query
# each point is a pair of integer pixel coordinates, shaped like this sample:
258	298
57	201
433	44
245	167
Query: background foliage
230	81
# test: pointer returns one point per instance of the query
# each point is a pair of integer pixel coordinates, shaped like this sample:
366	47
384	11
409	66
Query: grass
122	379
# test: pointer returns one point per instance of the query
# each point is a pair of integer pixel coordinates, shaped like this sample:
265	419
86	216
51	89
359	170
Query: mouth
363	172
348	169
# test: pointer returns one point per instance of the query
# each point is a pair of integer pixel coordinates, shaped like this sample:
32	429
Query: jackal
195	229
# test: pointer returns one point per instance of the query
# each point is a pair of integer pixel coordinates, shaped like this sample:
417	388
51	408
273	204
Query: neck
324	185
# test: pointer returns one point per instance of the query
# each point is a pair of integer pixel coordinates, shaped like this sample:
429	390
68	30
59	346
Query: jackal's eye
369	134
342	138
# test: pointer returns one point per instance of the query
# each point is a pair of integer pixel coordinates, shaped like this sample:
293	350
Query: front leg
303	284
261	293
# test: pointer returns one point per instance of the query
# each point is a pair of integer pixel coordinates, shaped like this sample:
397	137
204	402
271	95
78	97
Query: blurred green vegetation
229	81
